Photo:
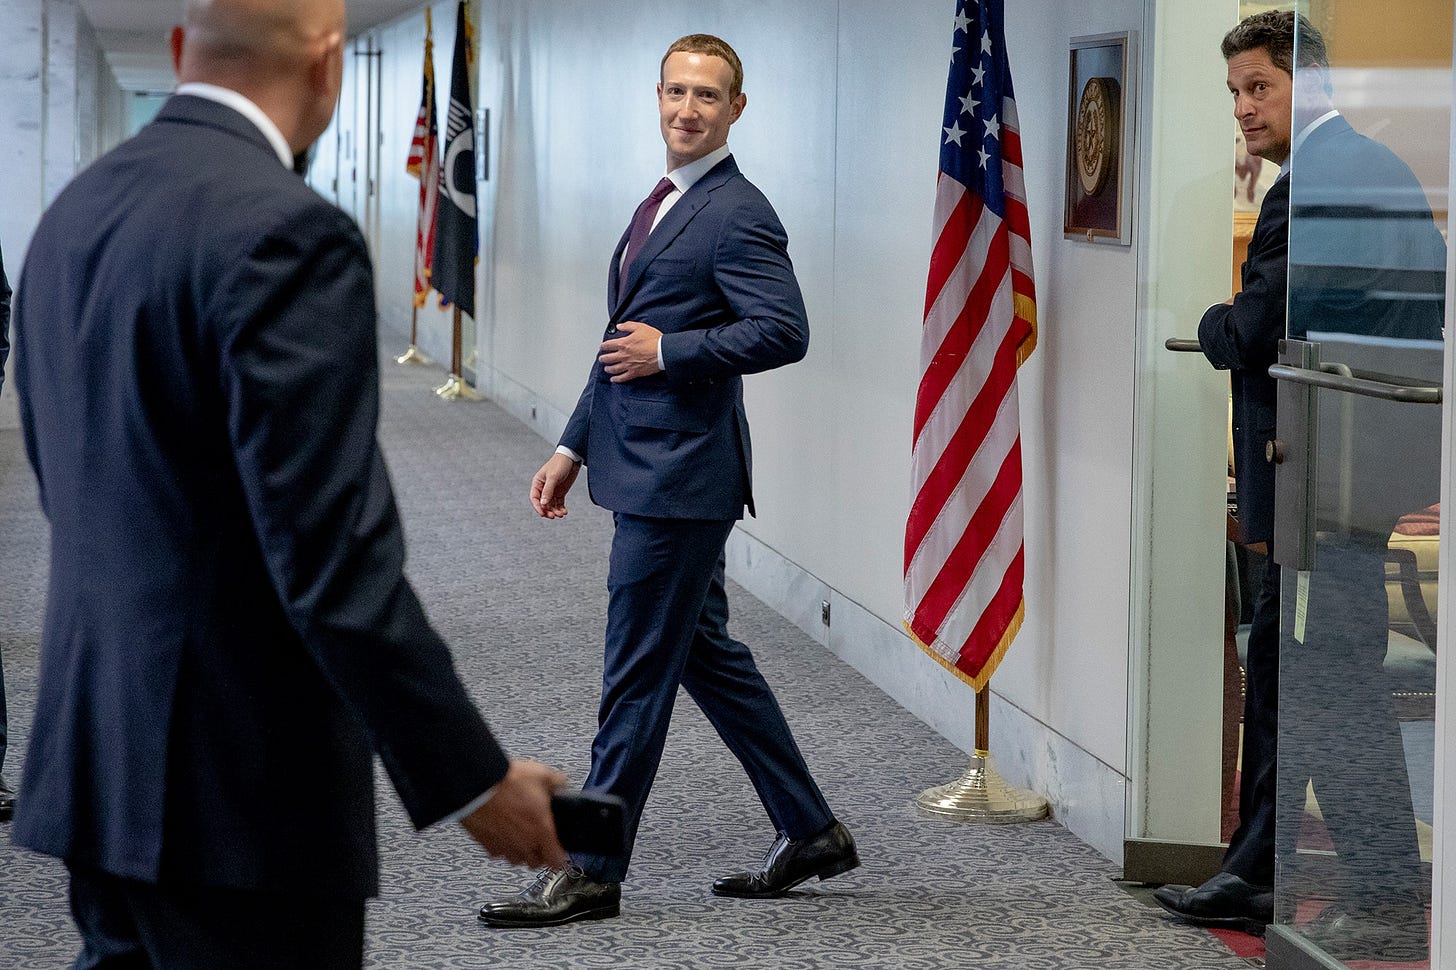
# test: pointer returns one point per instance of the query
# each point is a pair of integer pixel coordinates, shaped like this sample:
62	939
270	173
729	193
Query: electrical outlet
824	612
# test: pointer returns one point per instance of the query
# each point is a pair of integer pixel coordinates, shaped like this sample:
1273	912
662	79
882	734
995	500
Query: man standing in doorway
1243	336
1333	686
229	635
700	291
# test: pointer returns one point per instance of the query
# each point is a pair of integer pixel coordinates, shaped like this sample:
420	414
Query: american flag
964	553
424	164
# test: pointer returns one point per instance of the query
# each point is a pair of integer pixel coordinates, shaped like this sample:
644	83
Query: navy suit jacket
1362	244
229	636
1245	338
715	277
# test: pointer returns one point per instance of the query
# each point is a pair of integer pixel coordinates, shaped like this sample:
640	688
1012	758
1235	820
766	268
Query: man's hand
552	482
633	356
516	824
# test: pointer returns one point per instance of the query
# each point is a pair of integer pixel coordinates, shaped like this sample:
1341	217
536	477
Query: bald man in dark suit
229	637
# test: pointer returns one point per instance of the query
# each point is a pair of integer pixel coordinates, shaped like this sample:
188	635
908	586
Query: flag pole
455	388
424	164
981	794
413	355
457	254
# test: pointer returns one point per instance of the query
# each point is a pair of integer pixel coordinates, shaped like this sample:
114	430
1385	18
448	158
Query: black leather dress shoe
789	863
1224	901
557	896
7	800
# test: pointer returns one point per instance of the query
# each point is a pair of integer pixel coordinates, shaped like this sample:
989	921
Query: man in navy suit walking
229	636
700	291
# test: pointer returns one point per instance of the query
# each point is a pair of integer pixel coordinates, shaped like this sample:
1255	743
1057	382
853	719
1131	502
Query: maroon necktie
642	222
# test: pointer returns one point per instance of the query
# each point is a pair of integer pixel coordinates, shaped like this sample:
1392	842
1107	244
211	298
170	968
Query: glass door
1358	453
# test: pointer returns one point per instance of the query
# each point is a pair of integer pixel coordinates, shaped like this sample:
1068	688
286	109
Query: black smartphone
587	822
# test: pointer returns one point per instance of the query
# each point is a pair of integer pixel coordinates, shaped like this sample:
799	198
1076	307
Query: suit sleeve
1246	334
769	326
575	434
299	370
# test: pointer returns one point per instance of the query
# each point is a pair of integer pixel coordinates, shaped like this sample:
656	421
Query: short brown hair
711	46
1274	31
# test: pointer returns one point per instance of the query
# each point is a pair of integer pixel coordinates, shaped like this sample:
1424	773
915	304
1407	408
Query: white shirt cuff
471	806
661	364
563	450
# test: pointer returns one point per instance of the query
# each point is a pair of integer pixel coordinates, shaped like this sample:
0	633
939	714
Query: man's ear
328	63
737	105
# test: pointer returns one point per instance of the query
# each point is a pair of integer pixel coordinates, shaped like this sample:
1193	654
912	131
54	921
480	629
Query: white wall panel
841	133
1077	393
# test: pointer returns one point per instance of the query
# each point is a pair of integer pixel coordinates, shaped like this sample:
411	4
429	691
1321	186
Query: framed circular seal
1097	133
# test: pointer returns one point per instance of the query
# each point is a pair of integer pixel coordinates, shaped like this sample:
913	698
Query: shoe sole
1243	924
605	912
838	868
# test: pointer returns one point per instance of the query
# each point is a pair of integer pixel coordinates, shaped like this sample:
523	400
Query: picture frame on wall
1101	123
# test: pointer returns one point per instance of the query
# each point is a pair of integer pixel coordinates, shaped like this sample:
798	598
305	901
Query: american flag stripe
956	490
1001	549
964	548
965	526
424	164
960	418
944	372
957	484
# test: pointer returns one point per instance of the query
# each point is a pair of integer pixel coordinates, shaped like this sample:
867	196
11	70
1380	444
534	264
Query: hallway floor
521	601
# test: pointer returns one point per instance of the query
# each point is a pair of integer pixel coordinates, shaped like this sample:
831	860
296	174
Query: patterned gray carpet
522	602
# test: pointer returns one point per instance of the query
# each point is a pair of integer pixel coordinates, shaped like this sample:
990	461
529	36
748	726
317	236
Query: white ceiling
133	33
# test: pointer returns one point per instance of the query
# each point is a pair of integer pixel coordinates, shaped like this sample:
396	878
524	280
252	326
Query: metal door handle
1337	377
1183	345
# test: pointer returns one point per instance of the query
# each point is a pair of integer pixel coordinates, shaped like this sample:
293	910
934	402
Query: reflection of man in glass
1363	257
1366	283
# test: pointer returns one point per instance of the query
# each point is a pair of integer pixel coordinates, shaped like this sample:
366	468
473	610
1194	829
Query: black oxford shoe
7	800
791	862
1224	901
557	896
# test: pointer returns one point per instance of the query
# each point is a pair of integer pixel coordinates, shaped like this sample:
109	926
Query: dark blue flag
453	273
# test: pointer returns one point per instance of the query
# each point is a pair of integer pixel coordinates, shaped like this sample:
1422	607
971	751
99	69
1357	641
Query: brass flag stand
413	355
981	794
455	388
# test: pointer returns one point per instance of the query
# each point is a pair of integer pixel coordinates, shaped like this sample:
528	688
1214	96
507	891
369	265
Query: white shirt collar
246	108
1304	133
687	176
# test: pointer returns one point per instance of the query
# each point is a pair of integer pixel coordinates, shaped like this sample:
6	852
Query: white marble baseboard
1087	795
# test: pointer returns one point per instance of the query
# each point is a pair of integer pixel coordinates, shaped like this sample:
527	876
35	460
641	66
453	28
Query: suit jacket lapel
614	277
671	226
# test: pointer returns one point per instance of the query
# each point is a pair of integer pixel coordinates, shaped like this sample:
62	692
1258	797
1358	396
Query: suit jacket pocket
644	412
